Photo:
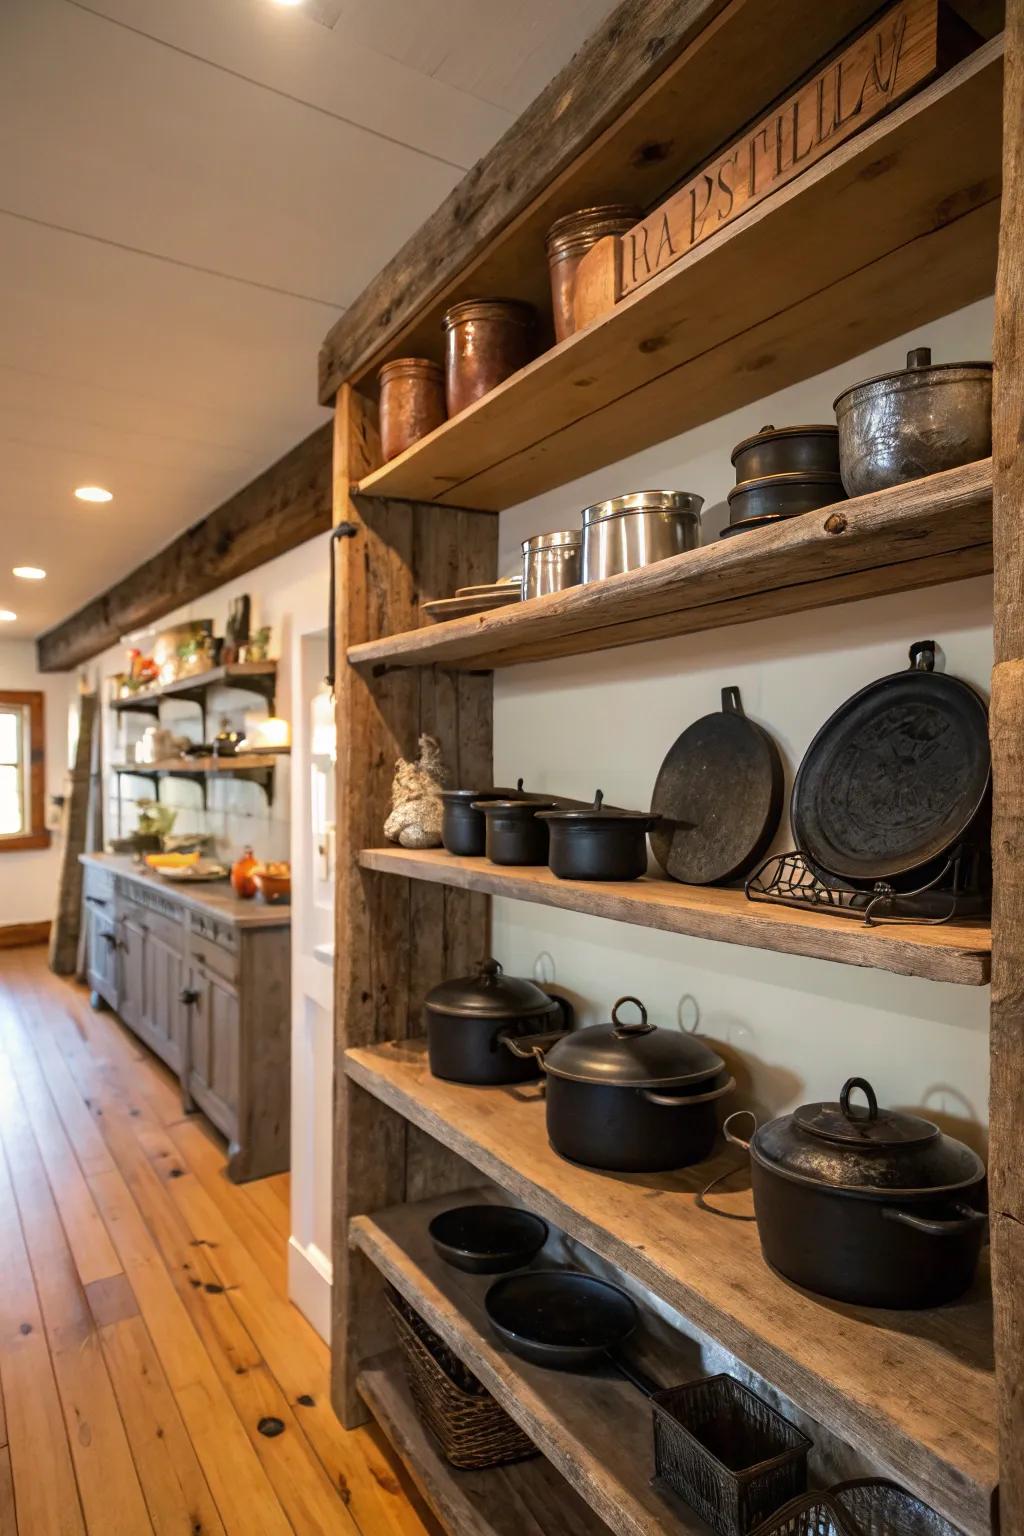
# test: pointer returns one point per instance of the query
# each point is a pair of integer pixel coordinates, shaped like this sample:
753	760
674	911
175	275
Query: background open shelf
895	227
914	1391
959	951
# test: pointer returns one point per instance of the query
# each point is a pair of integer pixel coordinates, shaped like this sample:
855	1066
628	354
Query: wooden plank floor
145	1330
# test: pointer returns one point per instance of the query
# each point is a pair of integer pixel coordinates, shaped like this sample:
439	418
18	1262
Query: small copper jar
485	341
411	403
569	239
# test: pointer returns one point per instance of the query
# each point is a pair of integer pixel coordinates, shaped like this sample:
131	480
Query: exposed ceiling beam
286	505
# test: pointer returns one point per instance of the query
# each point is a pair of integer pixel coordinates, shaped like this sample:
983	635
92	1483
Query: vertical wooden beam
393	939
1006	1163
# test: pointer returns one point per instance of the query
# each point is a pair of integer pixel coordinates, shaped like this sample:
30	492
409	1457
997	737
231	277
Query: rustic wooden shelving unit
258	677
896	227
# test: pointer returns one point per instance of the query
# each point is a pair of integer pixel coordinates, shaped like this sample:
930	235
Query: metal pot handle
684	1100
868	1092
729	1135
969	1220
919	357
639	1026
532	1045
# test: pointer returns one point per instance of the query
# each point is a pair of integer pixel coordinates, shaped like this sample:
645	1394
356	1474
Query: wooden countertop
216	899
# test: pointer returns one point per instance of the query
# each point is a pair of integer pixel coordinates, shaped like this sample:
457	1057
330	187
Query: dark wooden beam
283	507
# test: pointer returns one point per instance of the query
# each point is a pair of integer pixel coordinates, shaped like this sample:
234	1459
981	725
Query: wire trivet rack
790	880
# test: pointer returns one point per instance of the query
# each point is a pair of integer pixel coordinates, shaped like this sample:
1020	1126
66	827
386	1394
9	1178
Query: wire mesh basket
864	1507
726	1452
469	1426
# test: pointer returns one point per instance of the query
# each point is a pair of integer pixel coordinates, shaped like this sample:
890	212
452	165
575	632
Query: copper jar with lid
485	341
568	241
411	403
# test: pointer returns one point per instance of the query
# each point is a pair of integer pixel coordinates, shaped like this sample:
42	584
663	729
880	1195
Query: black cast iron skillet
566	1320
718	797
896	779
488	1239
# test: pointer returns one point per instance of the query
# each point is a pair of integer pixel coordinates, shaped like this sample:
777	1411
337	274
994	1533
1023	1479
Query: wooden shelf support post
393	940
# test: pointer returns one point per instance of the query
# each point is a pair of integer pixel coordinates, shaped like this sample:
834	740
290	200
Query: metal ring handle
868	1092
488	972
731	1135
639	1026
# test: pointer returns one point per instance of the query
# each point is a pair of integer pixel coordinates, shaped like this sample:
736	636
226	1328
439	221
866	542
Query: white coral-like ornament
415	817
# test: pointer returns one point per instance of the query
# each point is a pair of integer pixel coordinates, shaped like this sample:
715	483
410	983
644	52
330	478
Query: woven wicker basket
864	1507
469	1426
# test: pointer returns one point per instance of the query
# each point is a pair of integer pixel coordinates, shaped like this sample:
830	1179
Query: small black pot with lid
470	1020
463	828
871	1206
514	834
629	1096
597	842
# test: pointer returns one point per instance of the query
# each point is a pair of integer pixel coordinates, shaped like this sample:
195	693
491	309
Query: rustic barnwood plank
1006	1098
67	920
284	506
658	88
914	1392
957	952
528	1498
392	940
929	530
893	228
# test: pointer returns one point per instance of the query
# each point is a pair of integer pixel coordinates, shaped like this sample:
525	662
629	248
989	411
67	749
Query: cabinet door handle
189	996
97	901
108	938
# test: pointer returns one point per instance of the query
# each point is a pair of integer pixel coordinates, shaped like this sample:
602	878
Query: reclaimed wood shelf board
242	762
527	1498
957	952
914	1391
931	530
594	1426
258	676
894	228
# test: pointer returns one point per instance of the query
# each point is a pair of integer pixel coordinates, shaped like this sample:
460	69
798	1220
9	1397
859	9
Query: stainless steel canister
637	529
552	562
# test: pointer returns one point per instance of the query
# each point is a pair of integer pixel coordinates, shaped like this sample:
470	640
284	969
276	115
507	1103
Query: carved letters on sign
897	53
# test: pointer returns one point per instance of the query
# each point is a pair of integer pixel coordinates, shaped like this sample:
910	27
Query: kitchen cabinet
203	980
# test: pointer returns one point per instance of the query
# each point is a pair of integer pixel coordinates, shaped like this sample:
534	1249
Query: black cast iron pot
463	828
470	1022
597	842
514	835
868	1206
630	1097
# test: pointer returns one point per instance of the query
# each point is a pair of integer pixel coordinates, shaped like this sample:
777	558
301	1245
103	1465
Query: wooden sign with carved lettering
898	52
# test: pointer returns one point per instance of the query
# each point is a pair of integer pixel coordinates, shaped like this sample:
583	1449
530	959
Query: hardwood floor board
8	1517
236	1202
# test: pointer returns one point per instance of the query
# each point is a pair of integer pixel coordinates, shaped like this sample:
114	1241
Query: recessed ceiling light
29	572
290	2
6	616
93	493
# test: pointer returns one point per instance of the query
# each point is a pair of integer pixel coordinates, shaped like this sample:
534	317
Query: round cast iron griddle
560	1317
718	796
894	779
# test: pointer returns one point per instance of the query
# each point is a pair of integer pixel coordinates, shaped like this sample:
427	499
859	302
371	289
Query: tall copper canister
568	241
485	341
411	403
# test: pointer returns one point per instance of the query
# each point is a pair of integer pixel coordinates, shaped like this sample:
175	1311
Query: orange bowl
273	888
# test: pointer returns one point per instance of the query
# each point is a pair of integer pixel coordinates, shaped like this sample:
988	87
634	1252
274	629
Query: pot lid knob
919	357
598	801
868	1092
639	1026
488	972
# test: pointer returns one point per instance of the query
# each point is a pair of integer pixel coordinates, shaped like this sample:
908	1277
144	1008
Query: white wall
28	879
794	1027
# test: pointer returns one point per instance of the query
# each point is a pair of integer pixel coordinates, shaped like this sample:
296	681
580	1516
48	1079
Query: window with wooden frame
22	772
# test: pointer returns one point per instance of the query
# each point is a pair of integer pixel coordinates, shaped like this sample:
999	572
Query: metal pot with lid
637	529
630	1096
470	1020
598	841
867	1205
922	419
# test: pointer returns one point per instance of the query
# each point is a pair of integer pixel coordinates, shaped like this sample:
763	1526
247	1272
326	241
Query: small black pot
463	828
783	495
470	1021
488	1239
875	1208
514	834
597	843
631	1097
787	450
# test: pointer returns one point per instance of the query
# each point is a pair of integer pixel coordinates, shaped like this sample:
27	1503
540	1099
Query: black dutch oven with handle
866	1205
471	1021
629	1096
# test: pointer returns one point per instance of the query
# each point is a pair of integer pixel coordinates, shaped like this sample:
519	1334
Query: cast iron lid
867	1149
919	364
466	796
772	434
636	1055
597	814
490	994
514	810
644	501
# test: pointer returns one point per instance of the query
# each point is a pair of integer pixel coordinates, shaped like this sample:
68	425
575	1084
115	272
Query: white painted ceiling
190	193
